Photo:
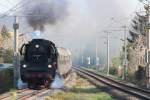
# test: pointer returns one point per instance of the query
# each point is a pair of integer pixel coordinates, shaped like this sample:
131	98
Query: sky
86	21
7	4
127	5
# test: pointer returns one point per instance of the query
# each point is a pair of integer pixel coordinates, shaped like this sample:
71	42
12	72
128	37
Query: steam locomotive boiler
40	61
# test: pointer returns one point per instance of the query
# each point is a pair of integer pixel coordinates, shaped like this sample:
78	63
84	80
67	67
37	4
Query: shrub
6	79
113	71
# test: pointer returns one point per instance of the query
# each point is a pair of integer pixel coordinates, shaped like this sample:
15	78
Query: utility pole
125	62
81	52
16	53
96	52
108	67
82	59
96	56
125	53
107	53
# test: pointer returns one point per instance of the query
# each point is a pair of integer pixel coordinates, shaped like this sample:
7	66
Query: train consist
41	60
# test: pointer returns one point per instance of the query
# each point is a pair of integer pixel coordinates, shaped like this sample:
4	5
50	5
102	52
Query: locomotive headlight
37	46
49	66
24	65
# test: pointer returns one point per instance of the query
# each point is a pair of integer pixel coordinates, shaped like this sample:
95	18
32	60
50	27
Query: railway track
21	94
29	94
34	93
135	91
8	94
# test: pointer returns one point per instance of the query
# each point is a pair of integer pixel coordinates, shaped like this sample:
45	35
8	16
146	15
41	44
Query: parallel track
135	91
24	95
6	95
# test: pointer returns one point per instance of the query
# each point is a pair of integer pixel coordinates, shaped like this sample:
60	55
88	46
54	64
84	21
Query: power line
9	2
11	10
25	3
6	3
2	5
2	10
14	9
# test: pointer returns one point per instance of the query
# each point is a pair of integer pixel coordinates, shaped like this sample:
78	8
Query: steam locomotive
40	60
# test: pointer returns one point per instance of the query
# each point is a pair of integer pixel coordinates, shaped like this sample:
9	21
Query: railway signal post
16	53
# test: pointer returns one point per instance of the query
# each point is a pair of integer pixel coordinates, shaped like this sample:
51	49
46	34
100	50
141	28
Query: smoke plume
42	12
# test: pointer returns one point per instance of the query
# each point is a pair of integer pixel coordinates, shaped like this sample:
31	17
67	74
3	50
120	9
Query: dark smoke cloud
42	12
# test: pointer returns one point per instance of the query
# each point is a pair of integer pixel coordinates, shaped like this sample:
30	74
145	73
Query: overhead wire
3	7
15	9
11	9
9	1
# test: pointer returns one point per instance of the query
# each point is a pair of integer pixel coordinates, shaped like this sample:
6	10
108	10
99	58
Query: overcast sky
127	5
86	21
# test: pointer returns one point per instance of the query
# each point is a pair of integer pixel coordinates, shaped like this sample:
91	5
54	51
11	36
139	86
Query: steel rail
25	97
119	82
6	95
138	92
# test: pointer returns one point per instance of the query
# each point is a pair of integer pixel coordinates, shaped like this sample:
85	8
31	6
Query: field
83	90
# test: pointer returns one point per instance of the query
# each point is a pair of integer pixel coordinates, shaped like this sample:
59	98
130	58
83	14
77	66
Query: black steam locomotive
38	63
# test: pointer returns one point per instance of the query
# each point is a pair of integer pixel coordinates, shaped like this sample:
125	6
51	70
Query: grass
83	90
81	96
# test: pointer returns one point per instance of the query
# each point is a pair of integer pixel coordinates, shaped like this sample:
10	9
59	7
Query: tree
137	27
6	53
4	32
8	58
116	62
136	42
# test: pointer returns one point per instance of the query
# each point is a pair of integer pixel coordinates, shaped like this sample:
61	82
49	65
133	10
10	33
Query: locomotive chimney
37	34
